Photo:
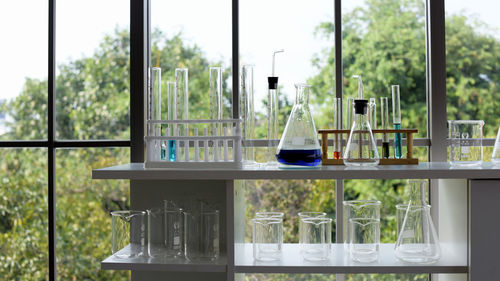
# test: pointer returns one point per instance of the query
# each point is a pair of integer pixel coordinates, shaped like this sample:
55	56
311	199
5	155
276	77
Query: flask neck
302	95
417	193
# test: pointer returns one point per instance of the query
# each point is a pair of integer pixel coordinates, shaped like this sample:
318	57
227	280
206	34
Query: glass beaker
361	149
400	216
358	209
417	239
299	144
306	215
174	230
267	238
201	235
247	114
466	142
279	215
495	155
316	233
156	232
128	238
364	239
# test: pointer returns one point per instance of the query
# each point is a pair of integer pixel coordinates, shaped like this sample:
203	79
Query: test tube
337	123
396	117
272	124
215	107
384	119
171	115
349	112
372	119
247	112
155	108
181	80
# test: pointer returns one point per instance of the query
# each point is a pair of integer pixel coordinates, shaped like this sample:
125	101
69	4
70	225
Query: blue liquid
172	150
398	151
300	157
163	153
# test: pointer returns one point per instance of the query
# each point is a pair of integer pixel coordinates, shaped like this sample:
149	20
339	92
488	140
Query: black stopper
273	83
360	106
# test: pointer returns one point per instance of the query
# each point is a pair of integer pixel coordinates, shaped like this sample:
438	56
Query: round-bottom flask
299	145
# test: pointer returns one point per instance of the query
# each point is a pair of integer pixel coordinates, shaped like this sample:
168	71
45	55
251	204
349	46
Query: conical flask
495	156
418	240
299	143
361	149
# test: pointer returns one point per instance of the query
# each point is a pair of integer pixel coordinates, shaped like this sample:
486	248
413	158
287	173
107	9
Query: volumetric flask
364	239
466	142
174	230
317	238
128	234
495	156
417	239
358	209
267	238
201	235
299	145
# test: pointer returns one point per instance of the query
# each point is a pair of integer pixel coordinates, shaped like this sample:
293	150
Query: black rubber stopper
360	106
273	82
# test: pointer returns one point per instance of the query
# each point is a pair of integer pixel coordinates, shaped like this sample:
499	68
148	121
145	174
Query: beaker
316	234
267	238
299	144
495	155
279	215
174	229
353	209
466	142
156	232
361	149
364	239
128	235
417	239
306	215
201	235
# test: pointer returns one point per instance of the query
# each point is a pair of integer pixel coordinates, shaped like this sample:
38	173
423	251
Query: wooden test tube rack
343	136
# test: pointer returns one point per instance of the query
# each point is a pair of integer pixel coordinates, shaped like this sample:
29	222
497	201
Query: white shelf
452	261
431	170
164	264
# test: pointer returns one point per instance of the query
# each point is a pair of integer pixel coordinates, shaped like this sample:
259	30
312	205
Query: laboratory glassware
156	232
466	139
372	113
128	234
305	215
364	239
201	235
495	155
396	119
182	103
172	115
316	234
384	119
400	217
247	113
215	107
358	209
361	149
349	106
417	239
267	238
299	143
279	215
174	229
154	105
272	113
337	124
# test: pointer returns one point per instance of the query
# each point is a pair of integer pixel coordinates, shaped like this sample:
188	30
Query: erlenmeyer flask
299	144
495	156
418	240
361	149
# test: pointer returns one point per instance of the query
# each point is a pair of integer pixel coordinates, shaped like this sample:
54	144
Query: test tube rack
343	135
199	144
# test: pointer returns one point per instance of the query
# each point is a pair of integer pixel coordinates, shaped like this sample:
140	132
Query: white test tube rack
189	144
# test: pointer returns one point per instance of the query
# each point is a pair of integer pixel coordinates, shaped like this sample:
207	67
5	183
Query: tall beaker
466	139
361	149
299	144
418	241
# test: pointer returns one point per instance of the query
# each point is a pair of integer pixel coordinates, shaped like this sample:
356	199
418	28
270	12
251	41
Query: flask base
299	157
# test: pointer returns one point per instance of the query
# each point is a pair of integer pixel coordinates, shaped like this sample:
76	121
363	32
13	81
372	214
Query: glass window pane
23	73
472	59
24	222
193	38
83	212
92	99
304	32
385	44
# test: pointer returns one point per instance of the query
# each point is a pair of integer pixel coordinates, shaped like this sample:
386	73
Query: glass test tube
247	112
155	108
172	115
349	112
384	119
372	118
396	117
215	108
272	125
181	91
337	123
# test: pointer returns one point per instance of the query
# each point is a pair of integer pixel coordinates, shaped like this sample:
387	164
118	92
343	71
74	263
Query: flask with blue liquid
299	145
